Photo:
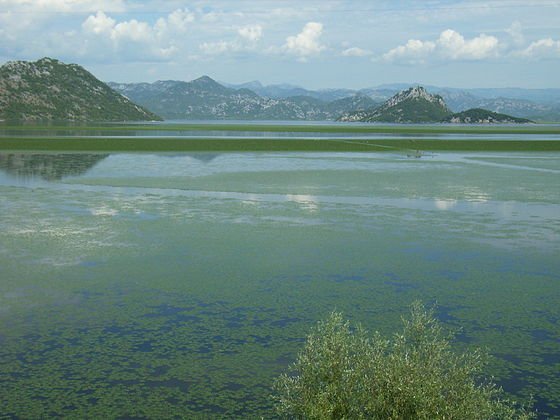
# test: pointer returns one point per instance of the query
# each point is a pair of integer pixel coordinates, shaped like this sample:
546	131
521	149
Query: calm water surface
162	286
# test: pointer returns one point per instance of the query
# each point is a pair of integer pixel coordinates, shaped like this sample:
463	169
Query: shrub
343	373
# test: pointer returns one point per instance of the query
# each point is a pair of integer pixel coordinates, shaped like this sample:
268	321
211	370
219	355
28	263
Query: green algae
192	144
302	128
127	295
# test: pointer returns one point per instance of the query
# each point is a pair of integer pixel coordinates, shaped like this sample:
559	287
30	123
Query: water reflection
50	167
445	204
202	157
308	202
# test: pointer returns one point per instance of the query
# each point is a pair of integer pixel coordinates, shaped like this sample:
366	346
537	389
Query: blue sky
315	44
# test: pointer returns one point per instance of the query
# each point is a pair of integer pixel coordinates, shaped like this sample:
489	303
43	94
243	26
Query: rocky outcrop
48	89
413	105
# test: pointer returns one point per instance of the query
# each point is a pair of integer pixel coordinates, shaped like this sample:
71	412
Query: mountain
204	99
48	89
414	105
535	104
523	108
284	90
253	85
253	100
549	96
482	116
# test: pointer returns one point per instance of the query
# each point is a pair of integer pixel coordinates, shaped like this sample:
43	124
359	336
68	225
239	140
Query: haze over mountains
205	98
51	90
416	105
535	104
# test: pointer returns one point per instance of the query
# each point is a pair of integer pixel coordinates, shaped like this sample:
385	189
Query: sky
315	44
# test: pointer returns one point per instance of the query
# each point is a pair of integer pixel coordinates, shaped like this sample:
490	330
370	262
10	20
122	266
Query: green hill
483	116
48	89
414	105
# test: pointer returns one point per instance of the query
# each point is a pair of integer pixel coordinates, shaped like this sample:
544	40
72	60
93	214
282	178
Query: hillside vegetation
483	116
48	89
415	105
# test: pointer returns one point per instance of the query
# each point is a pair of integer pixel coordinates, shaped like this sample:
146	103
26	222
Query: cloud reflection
307	202
445	204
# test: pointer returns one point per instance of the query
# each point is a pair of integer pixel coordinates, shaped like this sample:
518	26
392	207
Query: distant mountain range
416	105
50	90
534	104
204	99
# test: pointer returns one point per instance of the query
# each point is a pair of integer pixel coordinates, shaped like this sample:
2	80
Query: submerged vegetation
193	144
240	137
291	128
343	373
222	274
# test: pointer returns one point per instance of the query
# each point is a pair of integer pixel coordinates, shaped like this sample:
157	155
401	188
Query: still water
179	286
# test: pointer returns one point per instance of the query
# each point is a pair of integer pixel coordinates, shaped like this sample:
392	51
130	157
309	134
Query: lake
169	285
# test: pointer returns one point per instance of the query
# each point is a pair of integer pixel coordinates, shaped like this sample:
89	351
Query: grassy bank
190	144
301	128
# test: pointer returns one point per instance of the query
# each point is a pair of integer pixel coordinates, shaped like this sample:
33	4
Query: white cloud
132	30
246	41
177	22
450	45
356	52
219	47
251	33
99	24
543	48
413	52
516	33
307	42
456	47
133	39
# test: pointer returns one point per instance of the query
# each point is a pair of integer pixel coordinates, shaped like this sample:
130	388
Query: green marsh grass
70	138
189	144
306	128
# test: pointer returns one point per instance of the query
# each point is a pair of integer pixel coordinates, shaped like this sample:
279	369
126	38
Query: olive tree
344	373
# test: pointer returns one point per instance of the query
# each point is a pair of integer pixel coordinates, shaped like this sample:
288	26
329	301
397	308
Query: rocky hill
281	91
483	116
48	89
206	99
535	104
414	105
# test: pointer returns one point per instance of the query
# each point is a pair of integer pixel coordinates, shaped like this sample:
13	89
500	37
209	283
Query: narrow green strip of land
301	128
190	144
